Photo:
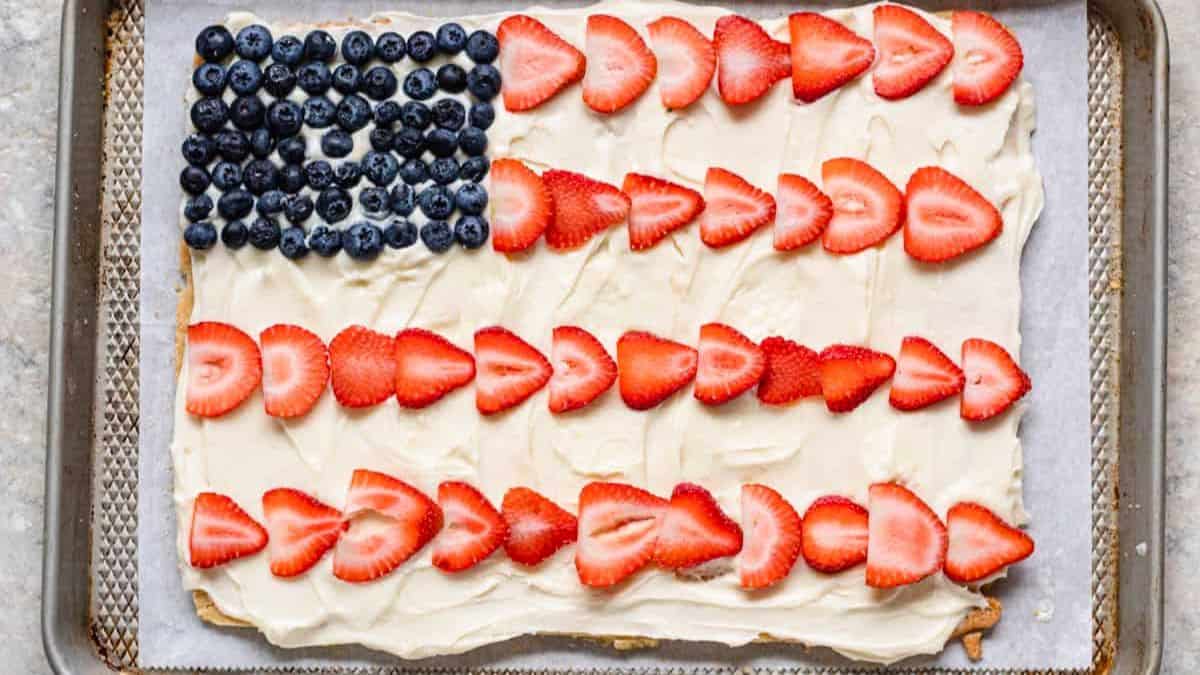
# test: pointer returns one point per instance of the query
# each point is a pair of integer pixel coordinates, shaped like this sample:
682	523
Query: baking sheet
1047	619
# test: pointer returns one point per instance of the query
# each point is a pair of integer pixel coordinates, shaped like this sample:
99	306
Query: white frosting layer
874	298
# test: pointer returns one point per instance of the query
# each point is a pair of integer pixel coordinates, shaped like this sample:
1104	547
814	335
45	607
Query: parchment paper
1047	616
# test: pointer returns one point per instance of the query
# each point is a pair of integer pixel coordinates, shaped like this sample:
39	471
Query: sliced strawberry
301	530
428	366
803	214
582	208
582	369
295	370
537	527
510	370
911	52
535	64
792	372
652	368
222	531
363	367
989	58
618	525
994	381
695	530
924	375
825	55
224	368
749	62
474	528
945	217
686	61
981	544
658	208
522	207
867	207
834	534
733	208
906	542
620	65
849	374
730	364
390	521
773	535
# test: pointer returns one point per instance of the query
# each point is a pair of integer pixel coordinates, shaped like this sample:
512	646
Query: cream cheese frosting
873	298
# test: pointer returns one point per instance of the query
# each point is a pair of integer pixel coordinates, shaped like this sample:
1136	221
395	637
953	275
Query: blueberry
314	78
441	142
226	176
414	172
363	241
292	178
347	174
400	234
261	143
451	38
292	244
374	200
194	180
284	118
484	82
380	167
247	112
422	46
270	203
279	80
254	42
420	84
214	43
347	78
449	114
452	78
357	47
437	235
297	209
200	236
379	83
235	234
474	169
198	149
235	204
292	150
402	200
381	139
483	47
325	241
471	198
198	208
353	112
334	204
390	47
472	141
264	234
209	114
444	170
288	50
436	202
209	79
318	174
336	143
387	113
482	115
319	46
471	231
232	145
245	77
416	115
319	112
260	175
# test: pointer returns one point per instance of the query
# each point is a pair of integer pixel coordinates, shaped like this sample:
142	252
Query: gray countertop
29	33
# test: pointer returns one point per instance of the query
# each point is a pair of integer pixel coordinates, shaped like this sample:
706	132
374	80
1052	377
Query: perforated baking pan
89	582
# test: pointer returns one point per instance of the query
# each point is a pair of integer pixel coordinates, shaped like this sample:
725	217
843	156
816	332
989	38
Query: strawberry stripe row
855	208
616	65
620	529
419	367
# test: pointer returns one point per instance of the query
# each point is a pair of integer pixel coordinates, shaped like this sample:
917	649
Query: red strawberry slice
792	372
295	370
994	381
825	55
301	530
537	527
867	207
474	528
906	541
224	368
428	366
618	525
749	62
652	368
510	370
373	546
804	212
924	375
981	544
582	369
773	536
620	65
222	531
911	52
695	530
522	207
850	374
730	364
834	534
535	64
582	208
733	208
989	58
686	61
945	217
657	208
363	367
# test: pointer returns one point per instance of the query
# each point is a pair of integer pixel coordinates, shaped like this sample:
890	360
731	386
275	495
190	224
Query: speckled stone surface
29	33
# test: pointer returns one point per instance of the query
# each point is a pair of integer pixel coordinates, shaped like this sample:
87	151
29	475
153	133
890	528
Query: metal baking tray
89	580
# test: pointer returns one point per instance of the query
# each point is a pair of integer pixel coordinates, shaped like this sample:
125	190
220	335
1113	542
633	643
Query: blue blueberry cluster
289	128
